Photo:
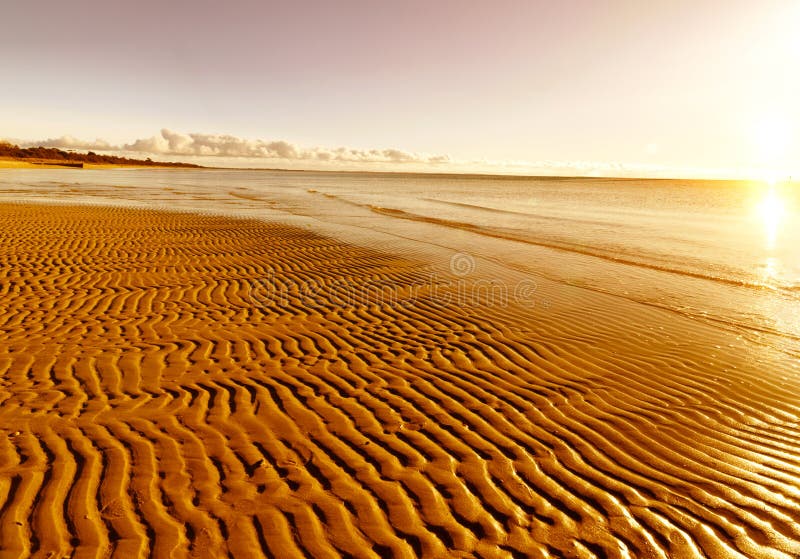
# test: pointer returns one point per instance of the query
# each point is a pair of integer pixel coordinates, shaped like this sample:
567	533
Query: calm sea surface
725	252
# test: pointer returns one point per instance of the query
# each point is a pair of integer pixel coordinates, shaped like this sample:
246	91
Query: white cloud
176	144
68	142
221	145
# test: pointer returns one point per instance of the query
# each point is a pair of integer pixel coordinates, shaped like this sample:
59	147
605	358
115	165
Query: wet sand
176	384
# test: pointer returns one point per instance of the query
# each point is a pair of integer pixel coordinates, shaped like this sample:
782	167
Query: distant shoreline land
14	156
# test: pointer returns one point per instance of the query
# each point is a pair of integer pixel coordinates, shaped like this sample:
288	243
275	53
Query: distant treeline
55	155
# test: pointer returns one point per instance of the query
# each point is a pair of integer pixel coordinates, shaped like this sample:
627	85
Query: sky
668	88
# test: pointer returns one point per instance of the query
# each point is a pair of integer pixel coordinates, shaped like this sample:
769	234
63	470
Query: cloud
232	149
221	145
68	142
176	144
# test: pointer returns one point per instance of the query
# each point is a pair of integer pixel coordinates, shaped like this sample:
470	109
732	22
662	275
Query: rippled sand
188	385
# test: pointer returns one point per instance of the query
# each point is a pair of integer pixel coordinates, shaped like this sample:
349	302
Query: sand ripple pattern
149	409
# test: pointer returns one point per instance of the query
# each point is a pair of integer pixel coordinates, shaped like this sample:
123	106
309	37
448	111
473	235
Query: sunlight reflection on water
772	209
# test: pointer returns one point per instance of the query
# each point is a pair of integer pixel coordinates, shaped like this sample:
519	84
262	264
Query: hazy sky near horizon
669	84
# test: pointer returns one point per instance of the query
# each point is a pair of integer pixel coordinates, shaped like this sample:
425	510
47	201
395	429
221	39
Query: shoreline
6	163
246	390
691	295
504	252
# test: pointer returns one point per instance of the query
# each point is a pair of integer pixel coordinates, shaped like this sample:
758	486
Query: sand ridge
154	402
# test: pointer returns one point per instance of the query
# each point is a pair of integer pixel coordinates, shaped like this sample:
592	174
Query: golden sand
18	164
7	163
158	399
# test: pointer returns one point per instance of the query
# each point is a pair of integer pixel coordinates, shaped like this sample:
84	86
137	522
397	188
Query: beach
400	280
225	372
11	163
